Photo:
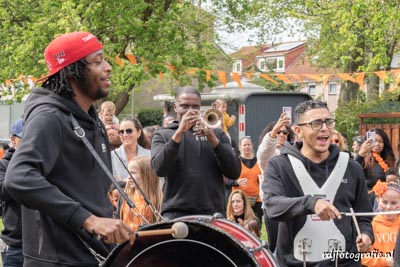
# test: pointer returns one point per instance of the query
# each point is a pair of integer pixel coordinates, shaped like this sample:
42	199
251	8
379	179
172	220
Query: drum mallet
178	230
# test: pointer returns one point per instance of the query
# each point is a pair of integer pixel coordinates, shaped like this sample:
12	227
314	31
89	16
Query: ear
175	107
297	130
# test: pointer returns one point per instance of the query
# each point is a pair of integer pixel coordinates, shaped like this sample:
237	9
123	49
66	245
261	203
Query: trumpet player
193	160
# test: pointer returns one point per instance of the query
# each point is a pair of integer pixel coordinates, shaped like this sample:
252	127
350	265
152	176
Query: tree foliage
350	36
157	32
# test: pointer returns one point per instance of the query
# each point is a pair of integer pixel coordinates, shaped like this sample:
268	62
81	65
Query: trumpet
211	119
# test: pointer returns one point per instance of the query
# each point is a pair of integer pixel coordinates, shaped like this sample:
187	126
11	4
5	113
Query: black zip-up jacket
58	181
193	171
12	231
285	201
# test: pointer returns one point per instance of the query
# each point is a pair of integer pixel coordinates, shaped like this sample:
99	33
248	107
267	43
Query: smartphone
371	137
288	111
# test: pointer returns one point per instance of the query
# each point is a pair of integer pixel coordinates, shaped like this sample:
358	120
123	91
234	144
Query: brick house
288	58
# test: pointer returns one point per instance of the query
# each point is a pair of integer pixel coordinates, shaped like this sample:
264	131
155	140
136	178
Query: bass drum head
205	245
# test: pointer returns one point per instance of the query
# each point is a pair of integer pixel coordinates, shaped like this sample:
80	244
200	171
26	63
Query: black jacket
193	171
58	181
285	201
12	231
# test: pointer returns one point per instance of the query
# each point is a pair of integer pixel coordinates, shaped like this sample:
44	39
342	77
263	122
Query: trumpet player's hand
187	121
212	138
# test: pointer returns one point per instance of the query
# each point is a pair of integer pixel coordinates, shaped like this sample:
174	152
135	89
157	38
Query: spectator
64	201
271	141
227	121
357	142
11	210
239	209
107	115
149	133
133	143
248	180
376	157
166	120
114	196
193	163
306	186
385	227
149	182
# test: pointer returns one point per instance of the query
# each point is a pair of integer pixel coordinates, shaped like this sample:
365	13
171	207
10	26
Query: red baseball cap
67	49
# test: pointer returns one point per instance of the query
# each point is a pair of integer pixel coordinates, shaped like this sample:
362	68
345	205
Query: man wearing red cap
60	184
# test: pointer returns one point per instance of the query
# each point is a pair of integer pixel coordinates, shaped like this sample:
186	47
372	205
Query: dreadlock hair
59	83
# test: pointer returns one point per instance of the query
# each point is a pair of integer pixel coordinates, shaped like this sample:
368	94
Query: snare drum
210	242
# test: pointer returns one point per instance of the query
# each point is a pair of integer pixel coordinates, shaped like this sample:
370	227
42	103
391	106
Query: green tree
351	36
156	31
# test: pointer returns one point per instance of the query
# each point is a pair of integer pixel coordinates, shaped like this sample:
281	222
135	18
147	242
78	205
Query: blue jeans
12	257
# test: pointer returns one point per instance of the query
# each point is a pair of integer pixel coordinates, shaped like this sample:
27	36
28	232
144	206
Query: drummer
306	189
53	174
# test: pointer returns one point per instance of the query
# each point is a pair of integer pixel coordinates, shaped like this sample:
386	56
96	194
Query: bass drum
210	242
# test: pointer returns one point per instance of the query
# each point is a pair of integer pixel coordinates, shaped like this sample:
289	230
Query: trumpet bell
212	118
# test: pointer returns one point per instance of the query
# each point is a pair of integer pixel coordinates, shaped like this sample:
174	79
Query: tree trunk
372	87
348	92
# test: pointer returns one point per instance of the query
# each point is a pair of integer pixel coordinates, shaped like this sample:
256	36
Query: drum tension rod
259	248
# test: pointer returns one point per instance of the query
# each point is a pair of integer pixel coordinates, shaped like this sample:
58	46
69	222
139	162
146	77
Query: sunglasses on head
128	132
285	132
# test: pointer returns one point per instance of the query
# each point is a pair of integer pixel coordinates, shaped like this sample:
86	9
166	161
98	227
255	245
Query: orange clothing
253	188
385	233
129	218
1	153
226	122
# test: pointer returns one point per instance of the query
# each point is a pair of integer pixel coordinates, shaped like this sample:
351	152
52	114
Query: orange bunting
360	80
132	59
283	78
161	75
296	77
222	77
382	74
314	77
208	75
325	79
171	67
192	71
248	75
236	77
118	60
265	76
347	77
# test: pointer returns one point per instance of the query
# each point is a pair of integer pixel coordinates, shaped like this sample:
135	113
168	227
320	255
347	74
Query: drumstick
178	230
355	223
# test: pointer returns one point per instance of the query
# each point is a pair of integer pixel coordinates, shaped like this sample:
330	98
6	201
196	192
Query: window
311	89
272	64
332	88
237	66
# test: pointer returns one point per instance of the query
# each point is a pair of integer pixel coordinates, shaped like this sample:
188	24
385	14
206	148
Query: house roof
284	47
248	54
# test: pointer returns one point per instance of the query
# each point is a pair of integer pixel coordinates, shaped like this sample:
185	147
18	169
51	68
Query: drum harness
81	134
317	237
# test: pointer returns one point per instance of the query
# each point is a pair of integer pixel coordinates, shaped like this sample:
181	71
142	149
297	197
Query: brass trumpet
211	119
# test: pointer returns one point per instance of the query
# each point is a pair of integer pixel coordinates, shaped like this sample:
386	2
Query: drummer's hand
325	210
363	243
111	230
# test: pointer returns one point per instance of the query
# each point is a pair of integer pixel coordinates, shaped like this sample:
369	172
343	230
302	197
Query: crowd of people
301	183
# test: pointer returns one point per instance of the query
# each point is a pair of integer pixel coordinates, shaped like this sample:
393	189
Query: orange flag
208	75
192	70
296	77
381	74
161	75
283	78
360	80
325	79
132	59
222	77
248	75
347	77
236	77
265	76
119	61
171	67
314	77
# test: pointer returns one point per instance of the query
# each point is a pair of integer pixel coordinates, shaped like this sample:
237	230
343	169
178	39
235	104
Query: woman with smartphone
376	156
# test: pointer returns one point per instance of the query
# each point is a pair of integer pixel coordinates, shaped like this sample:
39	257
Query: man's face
315	142
186	102
96	82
